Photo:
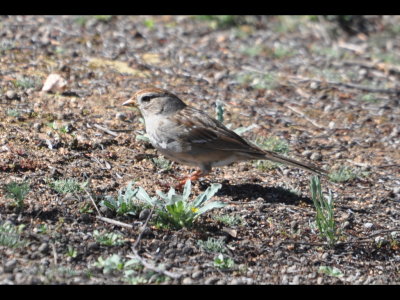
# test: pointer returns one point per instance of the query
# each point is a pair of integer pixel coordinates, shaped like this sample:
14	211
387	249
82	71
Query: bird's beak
129	102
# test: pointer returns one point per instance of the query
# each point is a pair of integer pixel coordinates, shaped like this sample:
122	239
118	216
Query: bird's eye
146	98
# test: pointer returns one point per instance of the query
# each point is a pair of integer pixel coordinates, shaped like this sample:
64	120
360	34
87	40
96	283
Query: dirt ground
329	92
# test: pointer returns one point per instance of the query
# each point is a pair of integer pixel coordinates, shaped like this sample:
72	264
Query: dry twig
106	130
153	267
297	111
111	221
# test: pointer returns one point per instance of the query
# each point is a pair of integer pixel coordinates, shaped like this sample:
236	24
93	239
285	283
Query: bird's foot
192	177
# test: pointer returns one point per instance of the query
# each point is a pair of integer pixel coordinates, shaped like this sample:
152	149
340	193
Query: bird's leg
192	177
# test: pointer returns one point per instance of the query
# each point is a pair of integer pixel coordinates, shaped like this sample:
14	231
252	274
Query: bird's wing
201	129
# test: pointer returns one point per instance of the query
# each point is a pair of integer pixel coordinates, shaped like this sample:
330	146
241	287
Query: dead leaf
119	66
231	232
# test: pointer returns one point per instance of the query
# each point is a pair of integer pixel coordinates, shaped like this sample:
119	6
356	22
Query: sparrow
190	136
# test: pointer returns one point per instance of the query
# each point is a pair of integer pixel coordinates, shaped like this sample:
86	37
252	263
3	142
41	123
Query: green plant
129	268
103	18
223	262
26	82
221	21
229	220
330	271
125	203
111	263
149	23
63	129
212	245
65	186
258	81
282	52
142	137
17	191
108	238
10	235
177	211
162	163
42	229
219	110
85	208
6	45
13	113
324	218
369	98
71	252
345	174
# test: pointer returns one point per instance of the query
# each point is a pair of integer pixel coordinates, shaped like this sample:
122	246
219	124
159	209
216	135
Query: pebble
296	279
316	156
11	95
396	190
306	153
236	281
211	280
292	269
43	248
187	280
93	246
314	85
144	214
10	265
197	274
368	225
19	278
338	155
85	218
284	279
319	280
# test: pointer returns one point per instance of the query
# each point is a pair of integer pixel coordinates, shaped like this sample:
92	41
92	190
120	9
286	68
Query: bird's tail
288	161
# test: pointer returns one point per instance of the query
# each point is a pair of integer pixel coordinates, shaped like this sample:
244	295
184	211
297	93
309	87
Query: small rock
319	280
316	156
11	95
338	155
313	85
144	214
85	218
93	246
121	116
296	280
396	190
37	126
292	269
306	153
187	280
19	278
211	280
53	83
284	279
346	225
10	265
43	248
237	281
368	225
197	274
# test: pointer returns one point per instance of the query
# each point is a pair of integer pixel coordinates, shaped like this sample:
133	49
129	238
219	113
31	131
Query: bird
191	137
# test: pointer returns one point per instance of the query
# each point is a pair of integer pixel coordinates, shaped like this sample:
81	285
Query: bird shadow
243	192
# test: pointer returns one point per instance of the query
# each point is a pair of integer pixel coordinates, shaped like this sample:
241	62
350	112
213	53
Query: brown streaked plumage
190	136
